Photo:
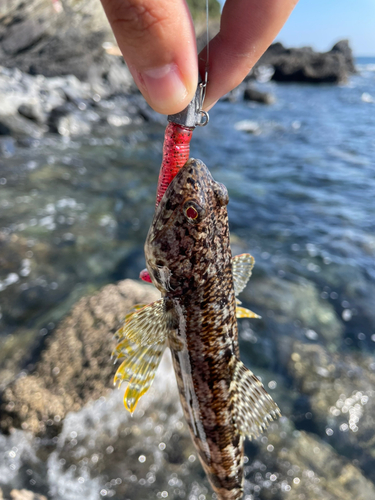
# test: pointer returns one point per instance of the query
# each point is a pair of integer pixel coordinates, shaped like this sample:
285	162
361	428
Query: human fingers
247	29
157	40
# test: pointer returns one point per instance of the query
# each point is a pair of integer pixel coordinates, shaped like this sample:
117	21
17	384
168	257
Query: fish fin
148	325
139	369
253	407
242	312
142	341
242	266
143	374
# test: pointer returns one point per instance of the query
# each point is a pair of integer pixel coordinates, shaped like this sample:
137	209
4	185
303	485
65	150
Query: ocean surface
300	174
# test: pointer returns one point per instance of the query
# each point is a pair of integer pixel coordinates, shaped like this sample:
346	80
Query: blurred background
80	153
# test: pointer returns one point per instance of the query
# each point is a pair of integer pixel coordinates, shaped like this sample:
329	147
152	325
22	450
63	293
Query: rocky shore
33	105
59	72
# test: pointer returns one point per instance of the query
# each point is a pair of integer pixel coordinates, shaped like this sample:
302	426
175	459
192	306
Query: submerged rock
252	94
75	367
341	398
287	301
297	465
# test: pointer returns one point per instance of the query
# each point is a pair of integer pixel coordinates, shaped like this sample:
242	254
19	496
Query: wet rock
340	388
53	38
298	465
17	126
252	94
304	65
32	112
75	366
289	301
141	455
67	120
25	495
249	126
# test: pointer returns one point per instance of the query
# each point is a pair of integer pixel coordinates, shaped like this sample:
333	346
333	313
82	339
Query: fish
189	260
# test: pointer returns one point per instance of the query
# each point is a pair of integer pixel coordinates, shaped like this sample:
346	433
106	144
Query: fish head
189	233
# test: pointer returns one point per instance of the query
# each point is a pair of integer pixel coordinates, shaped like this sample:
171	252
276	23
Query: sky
321	23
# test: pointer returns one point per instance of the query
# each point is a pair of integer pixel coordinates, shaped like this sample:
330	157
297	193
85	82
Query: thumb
157	40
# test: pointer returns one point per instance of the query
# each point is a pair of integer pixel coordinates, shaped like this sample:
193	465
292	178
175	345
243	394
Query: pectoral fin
142	343
139	368
253	407
142	371
148	324
242	266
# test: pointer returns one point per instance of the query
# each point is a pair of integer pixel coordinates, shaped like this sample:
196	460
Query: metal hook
204	118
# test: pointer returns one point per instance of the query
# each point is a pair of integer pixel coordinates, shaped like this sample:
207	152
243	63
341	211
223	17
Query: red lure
176	151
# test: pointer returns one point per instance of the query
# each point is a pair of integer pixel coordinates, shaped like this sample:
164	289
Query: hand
157	40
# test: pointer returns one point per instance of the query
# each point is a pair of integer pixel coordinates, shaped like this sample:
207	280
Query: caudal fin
253	407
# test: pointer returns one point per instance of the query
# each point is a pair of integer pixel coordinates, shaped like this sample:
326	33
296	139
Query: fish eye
193	212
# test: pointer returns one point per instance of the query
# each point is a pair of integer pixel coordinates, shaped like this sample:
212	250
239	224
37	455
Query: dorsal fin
242	266
253	407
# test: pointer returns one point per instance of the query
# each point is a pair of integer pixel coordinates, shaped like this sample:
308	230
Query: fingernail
165	87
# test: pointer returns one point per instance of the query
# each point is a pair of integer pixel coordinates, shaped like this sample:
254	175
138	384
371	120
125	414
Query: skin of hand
157	40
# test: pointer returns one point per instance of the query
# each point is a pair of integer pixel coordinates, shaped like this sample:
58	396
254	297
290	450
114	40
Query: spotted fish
189	260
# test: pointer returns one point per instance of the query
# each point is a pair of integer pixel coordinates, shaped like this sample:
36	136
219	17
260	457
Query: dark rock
343	47
66	120
303	467
17	125
341	393
32	113
75	367
300	301
53	38
306	65
252	94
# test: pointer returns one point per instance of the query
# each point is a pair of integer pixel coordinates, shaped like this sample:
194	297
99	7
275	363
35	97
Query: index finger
247	29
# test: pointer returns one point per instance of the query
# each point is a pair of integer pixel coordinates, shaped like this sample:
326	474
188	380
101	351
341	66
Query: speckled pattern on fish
189	260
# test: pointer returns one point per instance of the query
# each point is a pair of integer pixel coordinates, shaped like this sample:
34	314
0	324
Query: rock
343	47
33	112
53	37
297	465
340	390
26	495
23	495
248	126
17	125
289	301
305	65
252	94
75	367
68	121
